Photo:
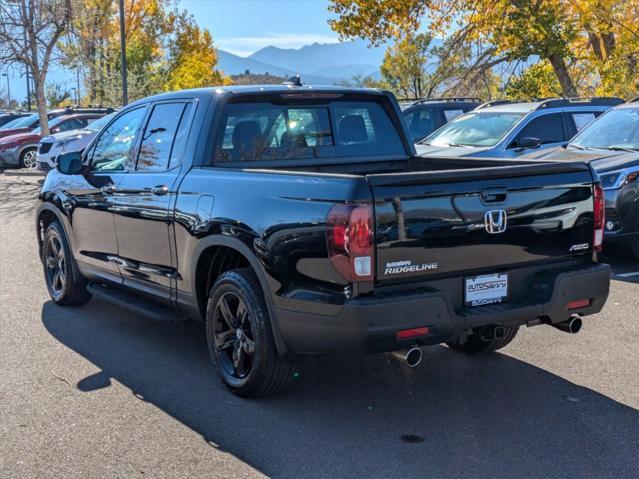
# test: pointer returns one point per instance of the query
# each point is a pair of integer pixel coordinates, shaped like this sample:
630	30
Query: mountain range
319	63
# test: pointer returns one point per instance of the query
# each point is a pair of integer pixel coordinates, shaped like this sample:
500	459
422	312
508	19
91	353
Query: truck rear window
269	131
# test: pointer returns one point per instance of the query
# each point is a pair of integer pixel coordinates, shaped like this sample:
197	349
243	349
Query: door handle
160	190
108	189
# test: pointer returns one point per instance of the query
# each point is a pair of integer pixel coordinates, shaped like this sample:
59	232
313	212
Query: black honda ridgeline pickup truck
297	219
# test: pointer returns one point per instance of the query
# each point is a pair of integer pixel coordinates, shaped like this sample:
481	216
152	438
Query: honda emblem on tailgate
495	221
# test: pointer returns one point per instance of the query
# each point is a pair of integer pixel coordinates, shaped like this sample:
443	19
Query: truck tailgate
467	221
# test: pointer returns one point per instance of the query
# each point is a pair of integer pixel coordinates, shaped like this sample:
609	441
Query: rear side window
547	128
72	124
269	131
157	140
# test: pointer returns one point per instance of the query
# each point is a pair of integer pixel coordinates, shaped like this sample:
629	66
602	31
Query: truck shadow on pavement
363	416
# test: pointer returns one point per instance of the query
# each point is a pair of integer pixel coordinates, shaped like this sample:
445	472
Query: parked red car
29	122
20	149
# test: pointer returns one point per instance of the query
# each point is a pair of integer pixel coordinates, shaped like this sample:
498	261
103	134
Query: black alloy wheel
55	267
234	337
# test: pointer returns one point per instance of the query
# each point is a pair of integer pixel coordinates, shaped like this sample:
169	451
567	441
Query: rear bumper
43	165
10	158
369	324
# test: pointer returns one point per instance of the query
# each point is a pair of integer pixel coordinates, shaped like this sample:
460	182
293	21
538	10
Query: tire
28	158
64	282
633	244
247	362
476	345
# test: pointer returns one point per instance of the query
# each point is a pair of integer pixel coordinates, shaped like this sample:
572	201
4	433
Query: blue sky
245	26
238	26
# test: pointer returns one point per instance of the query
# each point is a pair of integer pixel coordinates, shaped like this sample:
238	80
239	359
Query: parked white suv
75	140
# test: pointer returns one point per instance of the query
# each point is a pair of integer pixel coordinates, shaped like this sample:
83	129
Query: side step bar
134	303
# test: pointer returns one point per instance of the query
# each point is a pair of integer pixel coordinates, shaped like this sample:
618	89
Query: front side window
582	119
450	115
421	122
475	129
546	128
157	141
618	128
111	151
270	131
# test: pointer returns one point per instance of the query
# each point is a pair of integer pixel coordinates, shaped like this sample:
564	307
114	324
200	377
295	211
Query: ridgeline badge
398	267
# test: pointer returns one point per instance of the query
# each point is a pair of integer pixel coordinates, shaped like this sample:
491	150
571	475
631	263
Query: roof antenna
295	80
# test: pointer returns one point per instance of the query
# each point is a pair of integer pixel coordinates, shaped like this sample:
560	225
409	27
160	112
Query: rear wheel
240	339
28	158
65	284
476	343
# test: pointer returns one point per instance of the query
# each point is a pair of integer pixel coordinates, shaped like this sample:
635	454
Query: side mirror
69	163
529	142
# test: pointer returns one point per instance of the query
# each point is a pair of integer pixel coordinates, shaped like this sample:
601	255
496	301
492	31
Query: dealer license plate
486	289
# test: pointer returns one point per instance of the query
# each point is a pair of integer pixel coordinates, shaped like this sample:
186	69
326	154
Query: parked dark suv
425	116
611	144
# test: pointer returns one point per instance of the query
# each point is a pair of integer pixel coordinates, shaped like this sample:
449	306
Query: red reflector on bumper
580	303
411	333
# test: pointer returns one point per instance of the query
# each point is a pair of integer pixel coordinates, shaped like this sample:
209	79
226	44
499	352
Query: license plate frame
486	289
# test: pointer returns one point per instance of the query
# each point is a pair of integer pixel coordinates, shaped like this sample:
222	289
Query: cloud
244	46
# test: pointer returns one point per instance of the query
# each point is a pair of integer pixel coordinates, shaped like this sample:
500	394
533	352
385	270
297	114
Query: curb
23	173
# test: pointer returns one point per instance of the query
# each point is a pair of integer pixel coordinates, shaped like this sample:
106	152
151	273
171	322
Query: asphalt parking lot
95	391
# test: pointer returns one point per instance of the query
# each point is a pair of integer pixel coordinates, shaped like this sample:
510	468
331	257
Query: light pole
125	94
8	91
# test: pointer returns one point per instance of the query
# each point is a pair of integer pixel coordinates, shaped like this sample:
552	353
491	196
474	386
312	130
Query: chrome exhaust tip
571	326
412	356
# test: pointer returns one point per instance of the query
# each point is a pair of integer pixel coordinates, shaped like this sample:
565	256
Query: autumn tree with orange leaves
591	46
166	49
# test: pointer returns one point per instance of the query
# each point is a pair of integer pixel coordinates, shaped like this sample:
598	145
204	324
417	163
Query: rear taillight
349	233
599	218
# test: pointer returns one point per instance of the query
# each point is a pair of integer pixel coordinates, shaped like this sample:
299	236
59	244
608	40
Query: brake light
599	217
349	234
411	333
578	304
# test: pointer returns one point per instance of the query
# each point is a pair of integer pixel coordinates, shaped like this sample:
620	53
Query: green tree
536	81
29	34
404	65
57	95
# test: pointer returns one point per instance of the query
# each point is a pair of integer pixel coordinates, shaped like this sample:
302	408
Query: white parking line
627	275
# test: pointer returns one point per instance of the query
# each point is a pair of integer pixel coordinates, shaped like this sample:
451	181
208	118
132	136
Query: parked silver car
505	129
76	140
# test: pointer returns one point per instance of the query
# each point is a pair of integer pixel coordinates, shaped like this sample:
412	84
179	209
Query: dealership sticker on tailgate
486	289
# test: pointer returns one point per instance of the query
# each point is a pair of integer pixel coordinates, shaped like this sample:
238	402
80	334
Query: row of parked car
603	131
21	134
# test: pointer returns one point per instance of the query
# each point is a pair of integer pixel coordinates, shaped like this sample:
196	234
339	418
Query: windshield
475	129
617	128
52	123
98	124
22	122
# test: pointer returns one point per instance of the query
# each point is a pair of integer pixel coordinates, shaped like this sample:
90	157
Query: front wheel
65	284
240	338
633	245
28	158
476	344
